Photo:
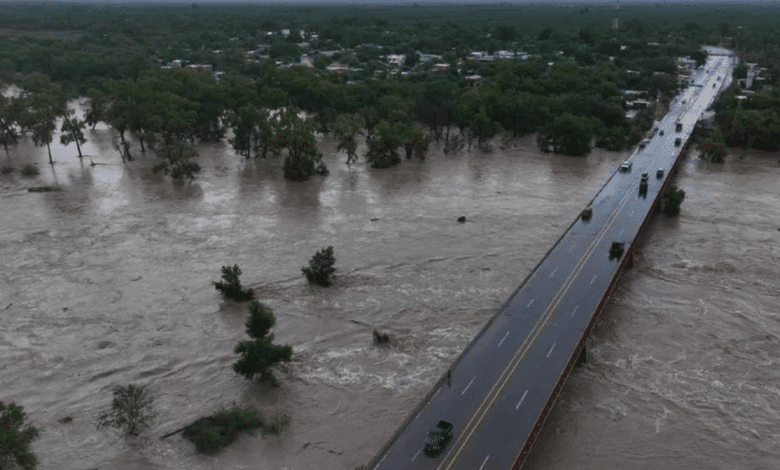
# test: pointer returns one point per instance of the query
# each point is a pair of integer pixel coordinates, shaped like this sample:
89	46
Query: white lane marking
383	459
551	350
467	386
418	453
553	273
632	212
594	278
502	339
521	400
484	462
531	302
575	310
437	392
621	231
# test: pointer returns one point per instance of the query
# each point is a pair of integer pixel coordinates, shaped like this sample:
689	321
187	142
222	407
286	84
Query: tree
347	128
259	354
131	410
415	142
43	105
296	135
320	267
15	438
10	117
568	134
672	201
73	131
713	147
383	146
175	156
230	286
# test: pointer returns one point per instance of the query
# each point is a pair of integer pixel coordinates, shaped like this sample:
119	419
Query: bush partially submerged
213	433
131	410
320	267
230	286
30	170
277	424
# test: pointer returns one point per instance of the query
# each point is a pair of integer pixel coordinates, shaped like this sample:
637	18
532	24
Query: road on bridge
502	384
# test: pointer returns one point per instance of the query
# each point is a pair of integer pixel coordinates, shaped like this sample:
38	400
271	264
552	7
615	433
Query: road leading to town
498	392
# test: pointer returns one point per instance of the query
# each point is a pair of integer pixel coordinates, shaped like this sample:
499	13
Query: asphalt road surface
500	385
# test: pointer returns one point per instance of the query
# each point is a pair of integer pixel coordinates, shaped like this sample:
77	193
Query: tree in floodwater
259	354
713	148
10	116
73	131
383	145
672	201
320	267
43	105
347	128
131	410
567	134
15	438
296	135
175	155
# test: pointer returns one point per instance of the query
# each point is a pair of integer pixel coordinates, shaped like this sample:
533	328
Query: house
441	67
285	32
396	59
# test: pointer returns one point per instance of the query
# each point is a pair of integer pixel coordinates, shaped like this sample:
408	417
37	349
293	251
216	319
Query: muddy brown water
107	283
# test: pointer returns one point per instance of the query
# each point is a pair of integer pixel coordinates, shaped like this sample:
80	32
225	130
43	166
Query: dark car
587	213
677	142
661	132
616	250
438	438
659	174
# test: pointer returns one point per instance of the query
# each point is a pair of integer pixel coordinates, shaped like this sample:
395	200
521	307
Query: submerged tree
672	201
73	131
259	354
15	438
347	128
230	285
175	155
320	267
43	105
131	410
296	135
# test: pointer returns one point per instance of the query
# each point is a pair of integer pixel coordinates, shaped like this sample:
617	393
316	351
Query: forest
564	77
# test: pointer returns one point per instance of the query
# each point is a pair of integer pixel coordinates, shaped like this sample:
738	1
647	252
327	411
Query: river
107	283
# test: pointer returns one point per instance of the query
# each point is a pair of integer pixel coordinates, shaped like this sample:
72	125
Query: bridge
500	390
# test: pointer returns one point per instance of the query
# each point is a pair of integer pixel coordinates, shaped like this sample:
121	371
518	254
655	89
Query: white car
625	167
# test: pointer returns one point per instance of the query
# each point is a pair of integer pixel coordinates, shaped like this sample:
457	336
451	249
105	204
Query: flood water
108	282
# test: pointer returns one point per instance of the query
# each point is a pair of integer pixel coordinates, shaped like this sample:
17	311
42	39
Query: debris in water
462	219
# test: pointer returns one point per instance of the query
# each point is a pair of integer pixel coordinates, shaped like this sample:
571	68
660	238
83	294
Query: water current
107	283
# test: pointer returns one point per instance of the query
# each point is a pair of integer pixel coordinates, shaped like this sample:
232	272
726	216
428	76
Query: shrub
15	438
30	170
6	170
277	424
213	433
131	410
320	267
231	287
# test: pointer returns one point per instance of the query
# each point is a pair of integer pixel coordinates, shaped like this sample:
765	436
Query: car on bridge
616	250
438	438
677	142
659	174
625	167
587	213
